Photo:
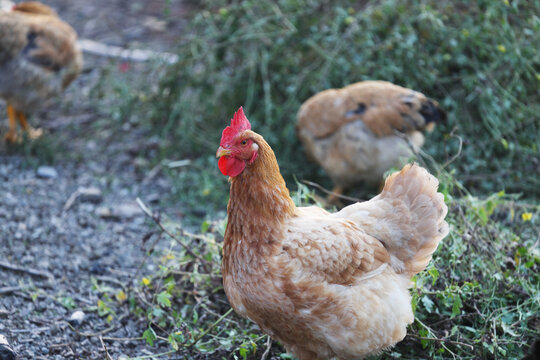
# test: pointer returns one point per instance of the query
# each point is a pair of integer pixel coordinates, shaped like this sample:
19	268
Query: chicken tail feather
419	212
407	217
432	112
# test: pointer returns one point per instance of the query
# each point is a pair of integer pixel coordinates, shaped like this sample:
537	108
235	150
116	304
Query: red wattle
230	166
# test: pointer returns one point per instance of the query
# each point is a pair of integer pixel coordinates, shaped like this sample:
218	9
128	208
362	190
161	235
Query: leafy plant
479	59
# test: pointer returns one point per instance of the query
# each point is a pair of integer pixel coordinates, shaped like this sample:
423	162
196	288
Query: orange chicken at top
38	59
351	132
326	285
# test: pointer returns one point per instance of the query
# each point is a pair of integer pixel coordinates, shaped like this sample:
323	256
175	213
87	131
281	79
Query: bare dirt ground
59	241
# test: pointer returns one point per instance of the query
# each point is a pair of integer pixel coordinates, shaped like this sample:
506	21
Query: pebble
90	194
77	318
47	172
141	163
126	210
104	212
6	352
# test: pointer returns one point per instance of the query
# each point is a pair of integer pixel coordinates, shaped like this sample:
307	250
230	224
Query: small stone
126	210
155	24
77	318
90	194
104	212
97	268
140	163
32	221
43	263
6	352
9	199
152	198
82	221
47	172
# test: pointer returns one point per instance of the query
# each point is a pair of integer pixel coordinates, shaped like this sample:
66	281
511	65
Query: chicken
325	285
351	132
38	59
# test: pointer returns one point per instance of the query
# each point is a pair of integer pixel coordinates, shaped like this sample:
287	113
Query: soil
62	237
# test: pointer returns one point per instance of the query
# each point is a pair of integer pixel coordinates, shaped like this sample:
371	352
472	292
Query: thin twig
99	333
112	280
32	330
207	309
328	192
142	298
97	48
460	147
443	340
158	223
179	272
105	348
191	235
148	253
268	347
154	355
210	328
430	331
71	200
151	174
34	272
108	338
179	163
11	289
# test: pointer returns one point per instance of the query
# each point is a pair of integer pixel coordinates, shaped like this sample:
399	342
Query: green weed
479	59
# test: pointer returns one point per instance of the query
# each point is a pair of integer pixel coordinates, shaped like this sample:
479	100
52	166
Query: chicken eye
244	142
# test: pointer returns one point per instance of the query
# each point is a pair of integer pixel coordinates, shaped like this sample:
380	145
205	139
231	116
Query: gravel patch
51	259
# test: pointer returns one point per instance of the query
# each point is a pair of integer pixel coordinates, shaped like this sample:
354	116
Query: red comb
239	123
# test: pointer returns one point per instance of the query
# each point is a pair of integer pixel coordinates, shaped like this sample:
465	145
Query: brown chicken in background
38	59
359	132
325	285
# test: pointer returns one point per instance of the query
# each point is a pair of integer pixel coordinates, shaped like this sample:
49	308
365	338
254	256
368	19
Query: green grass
479	59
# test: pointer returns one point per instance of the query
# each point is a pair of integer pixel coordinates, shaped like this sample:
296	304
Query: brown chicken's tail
407	217
417	223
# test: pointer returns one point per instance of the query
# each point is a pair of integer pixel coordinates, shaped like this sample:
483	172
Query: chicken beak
221	151
430	127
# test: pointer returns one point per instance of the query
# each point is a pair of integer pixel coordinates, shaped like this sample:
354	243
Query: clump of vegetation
479	59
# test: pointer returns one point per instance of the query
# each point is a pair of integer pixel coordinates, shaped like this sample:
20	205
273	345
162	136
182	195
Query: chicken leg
13	117
11	135
32	133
